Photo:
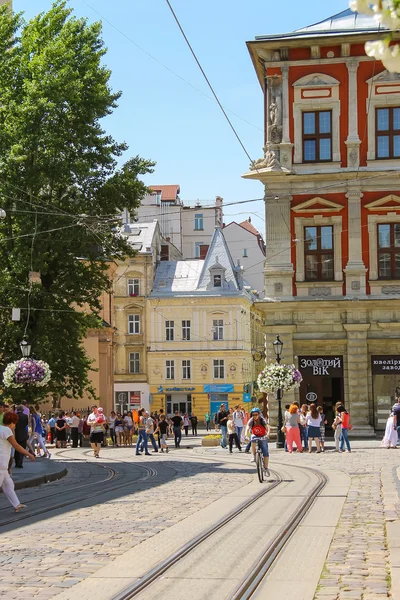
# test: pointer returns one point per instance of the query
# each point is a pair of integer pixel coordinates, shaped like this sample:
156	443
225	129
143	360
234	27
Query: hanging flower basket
27	371
274	377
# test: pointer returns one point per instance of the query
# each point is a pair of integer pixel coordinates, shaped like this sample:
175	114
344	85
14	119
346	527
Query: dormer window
217	281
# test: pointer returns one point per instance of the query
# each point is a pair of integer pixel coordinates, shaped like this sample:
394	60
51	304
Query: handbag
284	429
350	427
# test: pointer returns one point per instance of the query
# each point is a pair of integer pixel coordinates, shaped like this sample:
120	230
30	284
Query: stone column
355	270
353	141
278	267
357	402
286	145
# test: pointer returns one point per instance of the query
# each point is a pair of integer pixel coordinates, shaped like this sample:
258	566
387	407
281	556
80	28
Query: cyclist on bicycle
259	429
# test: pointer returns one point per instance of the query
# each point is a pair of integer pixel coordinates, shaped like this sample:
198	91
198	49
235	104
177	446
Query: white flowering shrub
26	371
274	377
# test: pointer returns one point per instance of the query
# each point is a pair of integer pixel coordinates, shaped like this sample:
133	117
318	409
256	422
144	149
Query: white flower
362	6
389	55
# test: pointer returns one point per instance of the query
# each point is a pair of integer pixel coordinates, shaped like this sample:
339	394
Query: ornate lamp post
280	439
25	348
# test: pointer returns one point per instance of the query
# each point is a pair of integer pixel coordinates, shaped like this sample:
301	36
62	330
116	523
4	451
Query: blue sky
161	117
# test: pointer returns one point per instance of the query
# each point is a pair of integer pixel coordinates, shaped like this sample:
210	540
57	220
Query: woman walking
207	419
314	425
238	421
345	420
303	425
293	429
186	424
142	426
7	442
390	437
119	429
322	427
111	423
128	424
36	432
337	426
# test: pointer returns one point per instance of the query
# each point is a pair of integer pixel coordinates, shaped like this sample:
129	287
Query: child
233	436
100	416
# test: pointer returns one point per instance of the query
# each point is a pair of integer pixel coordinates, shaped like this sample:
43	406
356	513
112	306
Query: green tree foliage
59	171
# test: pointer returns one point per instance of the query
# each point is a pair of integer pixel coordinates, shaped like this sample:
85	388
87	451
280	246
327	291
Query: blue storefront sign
219	388
246	397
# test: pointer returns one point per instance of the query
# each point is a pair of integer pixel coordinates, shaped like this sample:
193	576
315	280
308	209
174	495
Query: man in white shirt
150	432
74	424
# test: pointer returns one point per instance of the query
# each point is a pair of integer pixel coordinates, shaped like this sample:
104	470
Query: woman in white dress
390	437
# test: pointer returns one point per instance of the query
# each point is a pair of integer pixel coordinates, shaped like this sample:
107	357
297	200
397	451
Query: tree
61	188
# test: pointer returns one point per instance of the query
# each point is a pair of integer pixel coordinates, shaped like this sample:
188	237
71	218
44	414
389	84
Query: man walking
52	428
21	435
222	420
74	424
177	423
194	421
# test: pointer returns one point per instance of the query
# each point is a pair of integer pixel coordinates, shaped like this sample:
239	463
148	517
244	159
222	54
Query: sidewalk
37	472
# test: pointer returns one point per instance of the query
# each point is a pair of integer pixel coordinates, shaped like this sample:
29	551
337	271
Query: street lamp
25	348
280	438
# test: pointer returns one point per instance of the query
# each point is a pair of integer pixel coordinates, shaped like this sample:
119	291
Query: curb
40	479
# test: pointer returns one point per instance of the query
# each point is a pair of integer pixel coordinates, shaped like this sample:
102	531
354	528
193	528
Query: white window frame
134	324
219	368
218	327
169	369
134	284
186	330
134	358
199	222
186	369
316	84
377	98
169	331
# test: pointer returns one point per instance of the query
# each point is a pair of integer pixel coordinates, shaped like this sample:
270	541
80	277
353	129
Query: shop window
317	136
318	253
170	369
387	132
219	369
133	324
133	287
169	331
186	369
186	330
389	251
134	362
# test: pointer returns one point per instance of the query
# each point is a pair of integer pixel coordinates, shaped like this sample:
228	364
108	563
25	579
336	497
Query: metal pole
280	438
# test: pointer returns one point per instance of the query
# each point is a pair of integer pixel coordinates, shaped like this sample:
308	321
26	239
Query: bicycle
260	463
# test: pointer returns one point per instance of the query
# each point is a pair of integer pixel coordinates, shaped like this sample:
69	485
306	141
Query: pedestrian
52	428
322	427
337	427
222	420
162	429
61	431
292	424
119	429
74	423
177	424
37	432
346	427
21	435
186	423
390	437
2	411
96	420
233	436
150	432
258	429
80	430
303	425
314	425
7	442
396	416
111	423
128	426
238	421
142	437
207	420
194	421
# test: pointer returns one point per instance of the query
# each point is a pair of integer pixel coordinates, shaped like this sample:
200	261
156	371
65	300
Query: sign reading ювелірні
385	365
328	366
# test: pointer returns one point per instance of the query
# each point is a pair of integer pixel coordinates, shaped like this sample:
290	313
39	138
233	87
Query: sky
162	117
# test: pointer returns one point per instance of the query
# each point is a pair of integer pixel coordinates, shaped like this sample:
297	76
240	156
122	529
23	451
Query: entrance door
184	406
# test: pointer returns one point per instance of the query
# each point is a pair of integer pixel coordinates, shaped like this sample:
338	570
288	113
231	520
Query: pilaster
278	267
353	141
355	270
286	145
357	401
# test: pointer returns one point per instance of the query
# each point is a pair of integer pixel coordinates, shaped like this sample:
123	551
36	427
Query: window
245	253
197	249
198	222
133	323
389	251
317	136
218	329
318	253
169	331
387	132
186	330
186	369
134	362
133	287
170	369
219	369
164	252
217	280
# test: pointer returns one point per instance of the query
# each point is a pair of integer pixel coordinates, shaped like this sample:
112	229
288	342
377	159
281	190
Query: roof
140	235
177	276
218	256
346	21
168	192
249	226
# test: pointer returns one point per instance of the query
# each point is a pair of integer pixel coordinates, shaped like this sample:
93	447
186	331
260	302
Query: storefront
385	386
130	396
323	382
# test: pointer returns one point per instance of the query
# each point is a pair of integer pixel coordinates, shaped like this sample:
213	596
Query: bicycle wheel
260	466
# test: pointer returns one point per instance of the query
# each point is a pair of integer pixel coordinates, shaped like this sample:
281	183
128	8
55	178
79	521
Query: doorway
323	391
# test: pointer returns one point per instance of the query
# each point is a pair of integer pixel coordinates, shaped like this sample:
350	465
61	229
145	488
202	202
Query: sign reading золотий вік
328	366
385	365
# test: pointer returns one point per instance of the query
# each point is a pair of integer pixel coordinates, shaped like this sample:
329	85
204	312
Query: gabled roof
249	226
218	255
168	192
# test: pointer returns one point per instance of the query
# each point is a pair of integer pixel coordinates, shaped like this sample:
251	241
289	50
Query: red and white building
332	195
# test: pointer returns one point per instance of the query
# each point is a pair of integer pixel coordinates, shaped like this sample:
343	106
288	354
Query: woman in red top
345	420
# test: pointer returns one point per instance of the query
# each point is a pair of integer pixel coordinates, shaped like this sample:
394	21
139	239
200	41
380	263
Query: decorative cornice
382	203
316	80
311	206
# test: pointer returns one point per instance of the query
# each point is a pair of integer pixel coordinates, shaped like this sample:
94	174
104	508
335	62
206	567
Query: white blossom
389	55
362	6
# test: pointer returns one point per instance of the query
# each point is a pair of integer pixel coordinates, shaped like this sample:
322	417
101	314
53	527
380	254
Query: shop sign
385	365
246	397
180	389
328	366
215	388
134	398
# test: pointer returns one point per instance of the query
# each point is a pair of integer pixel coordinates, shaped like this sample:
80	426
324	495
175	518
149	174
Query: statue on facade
273	113
270	160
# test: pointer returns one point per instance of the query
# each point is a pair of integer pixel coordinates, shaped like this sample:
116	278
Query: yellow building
202	328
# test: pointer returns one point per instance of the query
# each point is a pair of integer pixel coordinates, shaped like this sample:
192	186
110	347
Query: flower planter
210	442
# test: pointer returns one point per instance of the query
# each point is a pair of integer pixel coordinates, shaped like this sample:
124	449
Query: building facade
246	245
202	327
332	197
